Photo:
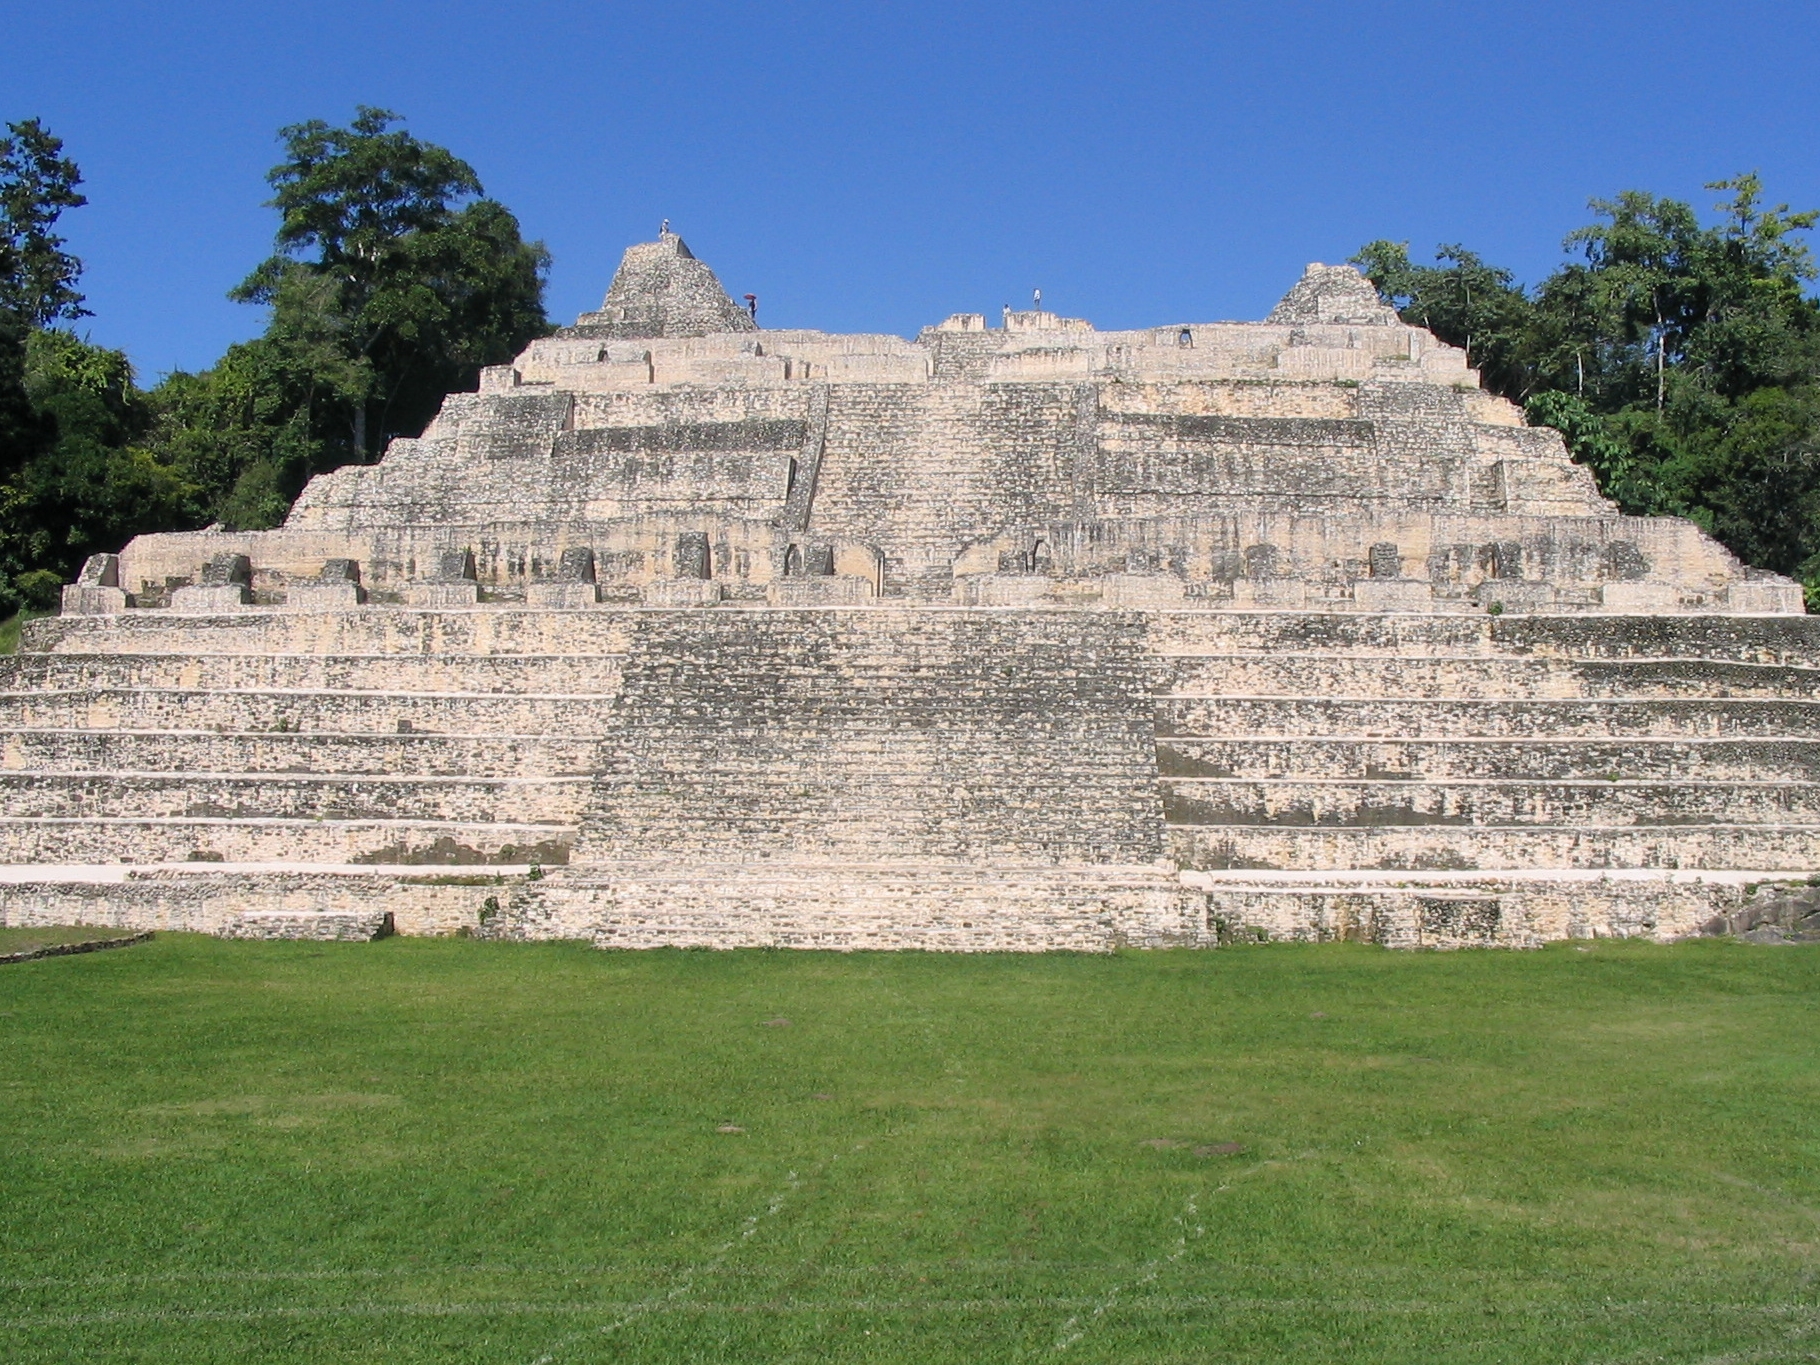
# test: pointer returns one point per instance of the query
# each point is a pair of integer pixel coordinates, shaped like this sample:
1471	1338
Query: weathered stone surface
206	599
1782	913
1023	637
1335	294
661	290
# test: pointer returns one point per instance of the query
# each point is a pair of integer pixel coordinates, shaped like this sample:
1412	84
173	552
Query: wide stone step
859	905
108	840
278	710
1436	676
335	926
819	906
368	630
1795	849
501	673
1295	717
385	754
1544	759
1467	909
1740	639
157	795
1293	804
507	629
228	898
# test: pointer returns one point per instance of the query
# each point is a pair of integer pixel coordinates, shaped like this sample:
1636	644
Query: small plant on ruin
489	909
535	874
1495	609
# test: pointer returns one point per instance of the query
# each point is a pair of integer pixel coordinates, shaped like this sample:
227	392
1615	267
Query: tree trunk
360	431
1661	347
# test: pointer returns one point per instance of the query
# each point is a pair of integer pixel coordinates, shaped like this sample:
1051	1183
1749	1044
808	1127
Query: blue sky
879	166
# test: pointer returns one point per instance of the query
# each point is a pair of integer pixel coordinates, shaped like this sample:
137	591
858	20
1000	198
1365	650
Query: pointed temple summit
1022	636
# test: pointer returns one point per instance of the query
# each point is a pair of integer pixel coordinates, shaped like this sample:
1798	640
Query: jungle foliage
393	281
1680	360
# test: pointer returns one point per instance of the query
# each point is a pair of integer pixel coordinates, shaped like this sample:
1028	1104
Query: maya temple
1014	636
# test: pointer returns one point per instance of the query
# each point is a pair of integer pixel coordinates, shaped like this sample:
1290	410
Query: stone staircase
1455	779
239	783
943	778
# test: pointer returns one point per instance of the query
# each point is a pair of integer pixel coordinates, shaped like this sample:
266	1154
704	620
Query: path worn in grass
460	1151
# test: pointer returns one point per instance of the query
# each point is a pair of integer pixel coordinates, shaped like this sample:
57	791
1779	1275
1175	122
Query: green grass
19	940
421	1150
12	625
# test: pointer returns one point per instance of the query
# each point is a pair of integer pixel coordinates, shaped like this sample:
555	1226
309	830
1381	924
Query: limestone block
1325	362
576	565
1755	597
1393	594
561	596
320	596
681	592
99	571
831	590
226	570
346	926
79	599
1648	598
456	593
1003	590
1269	592
1141	592
1516	594
204	600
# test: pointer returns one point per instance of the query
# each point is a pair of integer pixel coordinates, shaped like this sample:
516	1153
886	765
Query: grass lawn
10	628
423	1150
44	936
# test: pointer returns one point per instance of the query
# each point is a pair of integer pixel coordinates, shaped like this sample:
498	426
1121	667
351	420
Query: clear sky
878	166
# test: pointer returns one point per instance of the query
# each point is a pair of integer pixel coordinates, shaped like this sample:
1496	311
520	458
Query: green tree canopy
1680	360
393	282
37	183
393	275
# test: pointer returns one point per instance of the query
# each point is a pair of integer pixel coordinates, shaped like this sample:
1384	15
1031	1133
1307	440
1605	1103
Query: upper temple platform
1329	457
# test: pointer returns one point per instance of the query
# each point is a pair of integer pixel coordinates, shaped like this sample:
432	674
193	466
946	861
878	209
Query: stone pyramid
1028	636
661	290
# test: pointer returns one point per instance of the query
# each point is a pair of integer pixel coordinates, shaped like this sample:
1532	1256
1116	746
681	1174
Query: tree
1465	302
37	182
74	476
399	290
1681	362
93	485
